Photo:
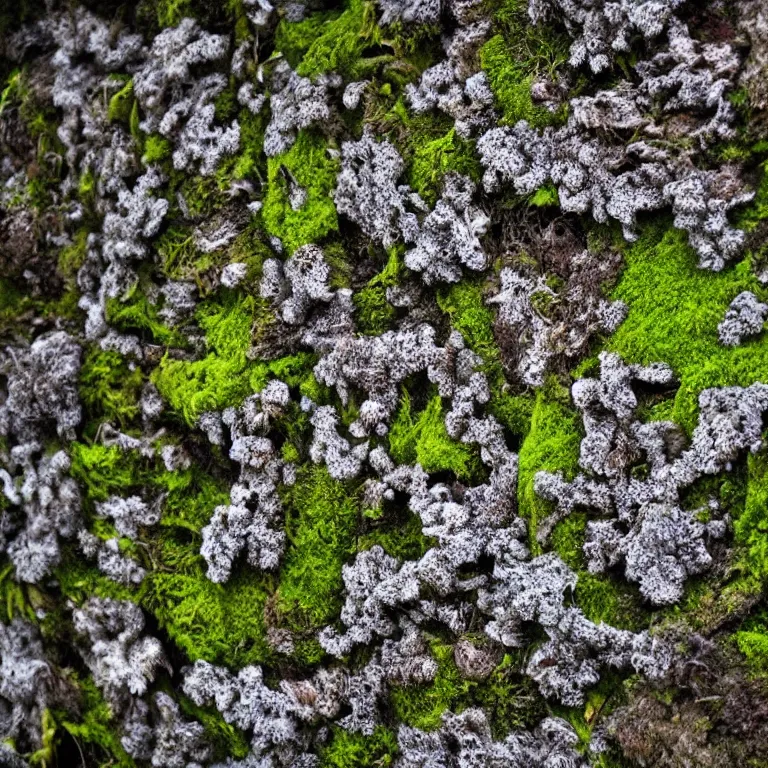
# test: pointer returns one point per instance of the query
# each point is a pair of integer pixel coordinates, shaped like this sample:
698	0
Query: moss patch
309	163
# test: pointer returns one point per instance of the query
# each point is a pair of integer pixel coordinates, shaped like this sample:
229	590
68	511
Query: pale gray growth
10	759
623	177
151	403
409	12
407	660
516	155
454	86
466	740
121	659
110	561
251	521
695	78
569	662
552	334
298	284
296	103
449	236
41	389
663	548
29	685
128	514
484	522
215	235
44	507
601	29
159	734
353	93
753	22
234	274
518	317
661	544
274	718
344	461
571	659
368	194
190	124
701	201
374	584
180	300
744	317
247	98
170	66
108	272
377	365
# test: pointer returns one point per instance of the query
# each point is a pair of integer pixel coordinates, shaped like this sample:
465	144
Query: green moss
463	302
375	314
315	171
545	196
109	387
551	444
674	311
751	527
102	471
221	623
171	12
73	256
754	646
424	439
137	315
353	750
515	57
511	81
399	535
157	149
752	640
422	706
221	378
96	728
321	516
510	700
465	305
226	740
433	158
121	104
250	161
294	38
339	45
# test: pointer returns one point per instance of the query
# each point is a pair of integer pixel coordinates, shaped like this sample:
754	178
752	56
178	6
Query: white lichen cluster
643	523
251	521
615	158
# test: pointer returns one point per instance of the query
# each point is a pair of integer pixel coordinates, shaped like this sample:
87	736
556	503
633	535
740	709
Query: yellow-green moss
340	42
515	57
674	311
375	314
511	83
110	387
221	378
221	623
321	516
315	171
433	158
96	728
156	149
423	438
121	104
552	443
353	750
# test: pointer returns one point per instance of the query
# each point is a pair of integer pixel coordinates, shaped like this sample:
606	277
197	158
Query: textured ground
383	383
